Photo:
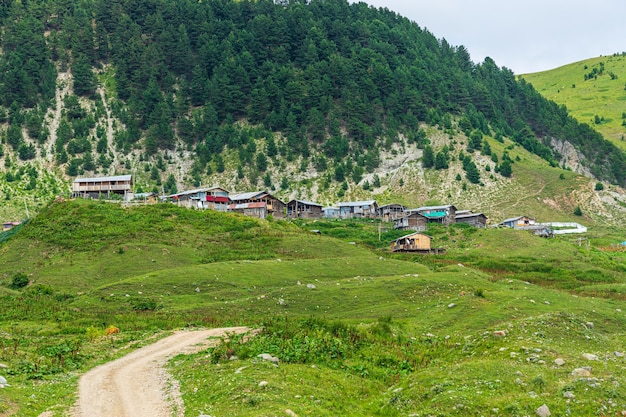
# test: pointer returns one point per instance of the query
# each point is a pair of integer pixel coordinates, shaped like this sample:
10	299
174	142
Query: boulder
581	372
590	356
543	411
269	358
263	384
559	362
569	395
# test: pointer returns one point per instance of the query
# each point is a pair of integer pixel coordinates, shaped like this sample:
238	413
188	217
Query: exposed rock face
571	156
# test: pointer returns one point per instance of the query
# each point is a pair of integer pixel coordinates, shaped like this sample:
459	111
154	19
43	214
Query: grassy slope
602	96
206	269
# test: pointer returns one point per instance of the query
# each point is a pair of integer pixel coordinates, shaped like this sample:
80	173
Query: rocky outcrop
570	156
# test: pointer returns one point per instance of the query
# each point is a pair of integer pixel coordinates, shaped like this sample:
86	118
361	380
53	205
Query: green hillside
320	100
350	322
593	91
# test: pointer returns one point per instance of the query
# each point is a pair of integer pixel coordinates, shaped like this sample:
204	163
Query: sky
524	36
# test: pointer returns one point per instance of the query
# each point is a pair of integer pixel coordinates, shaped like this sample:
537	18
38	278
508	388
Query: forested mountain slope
176	92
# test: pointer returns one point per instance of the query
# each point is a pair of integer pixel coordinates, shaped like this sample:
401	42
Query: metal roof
512	219
246	196
104	179
393	205
357	203
197	190
308	203
413	234
467	216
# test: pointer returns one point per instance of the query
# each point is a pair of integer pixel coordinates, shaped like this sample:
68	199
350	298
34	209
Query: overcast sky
525	36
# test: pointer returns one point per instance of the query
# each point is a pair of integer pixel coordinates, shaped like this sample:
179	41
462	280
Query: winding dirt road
136	385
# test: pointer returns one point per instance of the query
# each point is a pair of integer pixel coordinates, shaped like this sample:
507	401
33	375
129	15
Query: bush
143	304
19	281
599	186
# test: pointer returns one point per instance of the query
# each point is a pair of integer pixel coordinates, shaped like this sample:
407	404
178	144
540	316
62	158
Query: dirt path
136	385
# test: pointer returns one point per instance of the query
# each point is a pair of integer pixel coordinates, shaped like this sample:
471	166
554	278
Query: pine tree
505	168
428	159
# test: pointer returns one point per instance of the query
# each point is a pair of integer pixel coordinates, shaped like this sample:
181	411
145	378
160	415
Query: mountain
320	99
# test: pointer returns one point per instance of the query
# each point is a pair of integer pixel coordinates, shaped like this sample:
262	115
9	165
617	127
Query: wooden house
529	224
520	222
358	209
258	209
274	206
298	209
438	214
390	212
473	219
331	212
213	198
411	220
415	242
103	187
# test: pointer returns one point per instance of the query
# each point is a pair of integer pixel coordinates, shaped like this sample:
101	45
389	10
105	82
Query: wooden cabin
438	214
390	212
103	187
358	209
415	242
274	206
213	198
520	222
331	212
473	219
258	209
412	220
299	209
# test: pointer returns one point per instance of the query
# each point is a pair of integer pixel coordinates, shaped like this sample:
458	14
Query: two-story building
104	187
273	205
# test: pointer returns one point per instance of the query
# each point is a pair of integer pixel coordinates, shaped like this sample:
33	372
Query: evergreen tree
441	161
261	162
505	168
428	159
471	172
84	78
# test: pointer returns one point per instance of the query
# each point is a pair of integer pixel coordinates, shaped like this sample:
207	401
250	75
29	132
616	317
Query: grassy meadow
358	330
592	90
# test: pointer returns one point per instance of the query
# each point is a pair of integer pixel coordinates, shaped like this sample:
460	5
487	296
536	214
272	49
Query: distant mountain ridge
307	98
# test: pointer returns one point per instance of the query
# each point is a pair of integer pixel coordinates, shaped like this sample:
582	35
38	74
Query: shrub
19	281
143	304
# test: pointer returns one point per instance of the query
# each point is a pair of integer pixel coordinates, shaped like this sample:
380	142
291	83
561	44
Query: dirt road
136	385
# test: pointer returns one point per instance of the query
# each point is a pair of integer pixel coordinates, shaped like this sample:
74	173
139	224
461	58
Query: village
262	204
